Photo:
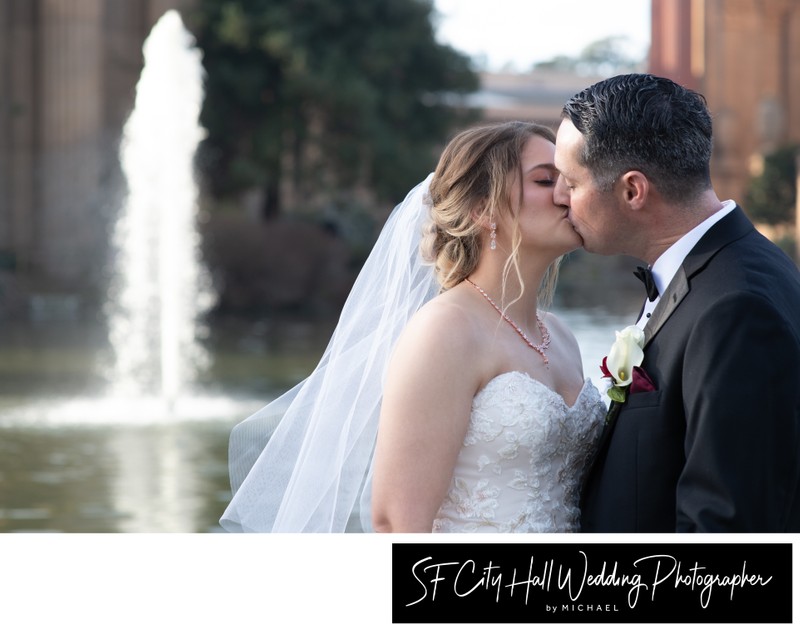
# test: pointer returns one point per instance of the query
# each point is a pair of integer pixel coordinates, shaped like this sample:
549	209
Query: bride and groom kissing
450	400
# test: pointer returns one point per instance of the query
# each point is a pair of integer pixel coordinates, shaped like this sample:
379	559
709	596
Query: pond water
69	465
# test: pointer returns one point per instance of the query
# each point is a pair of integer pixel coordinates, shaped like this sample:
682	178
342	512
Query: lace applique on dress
524	459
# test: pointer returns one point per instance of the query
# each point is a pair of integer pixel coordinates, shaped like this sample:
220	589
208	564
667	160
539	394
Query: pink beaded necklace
539	348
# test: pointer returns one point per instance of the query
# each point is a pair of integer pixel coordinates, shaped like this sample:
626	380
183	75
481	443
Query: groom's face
593	212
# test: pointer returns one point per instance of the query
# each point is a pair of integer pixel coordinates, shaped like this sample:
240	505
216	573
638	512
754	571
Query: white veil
301	463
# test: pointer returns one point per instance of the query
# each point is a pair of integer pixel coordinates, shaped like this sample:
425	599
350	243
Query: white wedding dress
524	459
303	463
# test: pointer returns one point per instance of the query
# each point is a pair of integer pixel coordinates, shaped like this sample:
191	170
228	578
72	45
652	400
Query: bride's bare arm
431	381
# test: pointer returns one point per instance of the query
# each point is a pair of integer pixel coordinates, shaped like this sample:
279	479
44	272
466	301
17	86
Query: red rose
605	370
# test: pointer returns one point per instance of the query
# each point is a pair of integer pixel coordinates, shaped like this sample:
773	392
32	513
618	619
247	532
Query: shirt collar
667	265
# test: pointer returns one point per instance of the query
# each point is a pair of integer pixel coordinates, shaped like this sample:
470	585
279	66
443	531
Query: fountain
160	289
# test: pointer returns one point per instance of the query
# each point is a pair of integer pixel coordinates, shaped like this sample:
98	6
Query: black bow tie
645	274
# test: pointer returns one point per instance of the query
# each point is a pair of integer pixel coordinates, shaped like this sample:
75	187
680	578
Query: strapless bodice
523	460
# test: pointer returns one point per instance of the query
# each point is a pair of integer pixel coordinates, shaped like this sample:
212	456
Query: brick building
744	56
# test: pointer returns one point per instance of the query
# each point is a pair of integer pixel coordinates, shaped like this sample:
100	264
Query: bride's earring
493	236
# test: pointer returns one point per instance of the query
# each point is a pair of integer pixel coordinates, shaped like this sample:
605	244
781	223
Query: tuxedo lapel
673	295
730	228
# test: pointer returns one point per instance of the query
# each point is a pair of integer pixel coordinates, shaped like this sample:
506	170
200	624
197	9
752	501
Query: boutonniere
622	366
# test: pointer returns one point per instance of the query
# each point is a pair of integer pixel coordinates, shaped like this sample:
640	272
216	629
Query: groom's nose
560	193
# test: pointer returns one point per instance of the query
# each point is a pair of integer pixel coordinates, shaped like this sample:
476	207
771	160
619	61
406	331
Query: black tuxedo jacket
716	447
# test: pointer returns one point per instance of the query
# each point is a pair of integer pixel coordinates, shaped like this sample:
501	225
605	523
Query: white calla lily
625	354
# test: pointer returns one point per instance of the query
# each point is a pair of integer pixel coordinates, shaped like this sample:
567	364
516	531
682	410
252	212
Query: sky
515	34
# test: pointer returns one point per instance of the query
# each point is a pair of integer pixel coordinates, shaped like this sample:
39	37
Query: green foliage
615	393
351	94
771	196
603	57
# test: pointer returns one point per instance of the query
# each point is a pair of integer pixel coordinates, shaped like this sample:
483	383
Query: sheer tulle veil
303	462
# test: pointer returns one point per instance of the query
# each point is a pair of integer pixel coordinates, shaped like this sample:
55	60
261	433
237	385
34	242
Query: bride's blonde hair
474	183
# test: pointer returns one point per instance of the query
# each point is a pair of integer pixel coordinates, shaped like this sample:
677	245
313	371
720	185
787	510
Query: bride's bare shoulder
448	320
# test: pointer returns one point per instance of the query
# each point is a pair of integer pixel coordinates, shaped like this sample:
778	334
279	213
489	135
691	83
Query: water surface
111	471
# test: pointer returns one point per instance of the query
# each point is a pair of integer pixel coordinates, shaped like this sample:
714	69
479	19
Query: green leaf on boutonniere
615	393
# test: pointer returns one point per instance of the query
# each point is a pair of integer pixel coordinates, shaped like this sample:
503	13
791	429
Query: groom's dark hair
645	123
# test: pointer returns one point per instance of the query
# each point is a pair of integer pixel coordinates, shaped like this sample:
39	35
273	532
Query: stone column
70	126
5	142
6	246
773	73
157	8
125	28
797	210
17	133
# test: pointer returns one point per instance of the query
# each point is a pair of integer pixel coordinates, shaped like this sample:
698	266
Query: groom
716	446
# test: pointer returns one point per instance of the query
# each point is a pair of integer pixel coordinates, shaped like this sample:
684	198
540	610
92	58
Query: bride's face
543	224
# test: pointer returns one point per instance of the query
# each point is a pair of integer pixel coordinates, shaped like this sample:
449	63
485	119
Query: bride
447	400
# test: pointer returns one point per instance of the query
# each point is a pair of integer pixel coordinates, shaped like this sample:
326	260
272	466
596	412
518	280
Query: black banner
603	583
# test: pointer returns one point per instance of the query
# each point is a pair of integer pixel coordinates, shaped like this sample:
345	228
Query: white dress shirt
667	265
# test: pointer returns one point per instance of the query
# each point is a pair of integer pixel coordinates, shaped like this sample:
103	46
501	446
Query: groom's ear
635	188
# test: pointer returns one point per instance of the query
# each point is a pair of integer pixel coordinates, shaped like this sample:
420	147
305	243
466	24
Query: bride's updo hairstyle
474	183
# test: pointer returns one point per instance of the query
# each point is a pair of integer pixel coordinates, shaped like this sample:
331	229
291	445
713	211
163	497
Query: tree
349	95
603	57
771	196
606	57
